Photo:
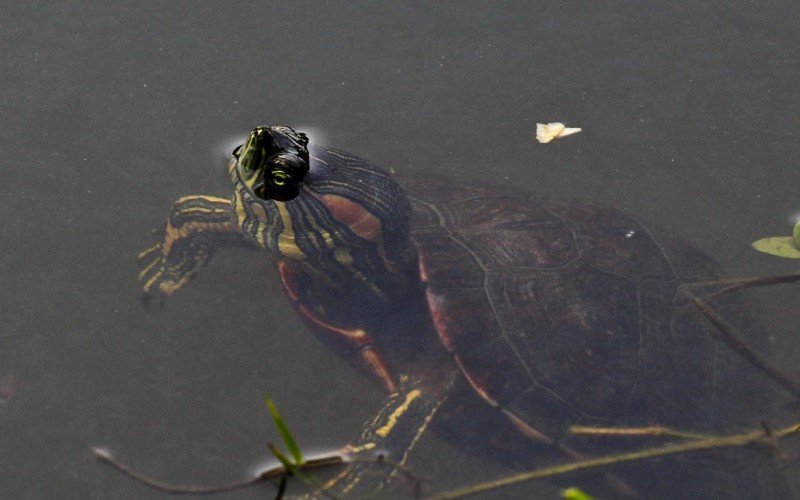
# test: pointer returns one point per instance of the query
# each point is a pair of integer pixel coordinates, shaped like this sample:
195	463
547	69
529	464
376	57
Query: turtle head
272	162
339	214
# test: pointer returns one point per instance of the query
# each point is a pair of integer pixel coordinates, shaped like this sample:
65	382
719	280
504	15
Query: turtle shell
566	313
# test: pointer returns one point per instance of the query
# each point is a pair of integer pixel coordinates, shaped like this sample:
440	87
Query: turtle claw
160	276
144	254
153	295
148	298
158	282
195	227
167	266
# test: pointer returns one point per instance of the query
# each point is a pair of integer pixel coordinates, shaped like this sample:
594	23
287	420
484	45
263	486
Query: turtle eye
282	181
280	178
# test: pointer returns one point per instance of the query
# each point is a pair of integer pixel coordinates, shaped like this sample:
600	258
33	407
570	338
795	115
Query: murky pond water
690	117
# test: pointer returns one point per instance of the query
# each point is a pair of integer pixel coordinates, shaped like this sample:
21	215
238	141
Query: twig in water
735	341
105	455
737	440
650	431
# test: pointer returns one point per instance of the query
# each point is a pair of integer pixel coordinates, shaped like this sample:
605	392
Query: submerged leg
196	227
354	340
381	450
378	456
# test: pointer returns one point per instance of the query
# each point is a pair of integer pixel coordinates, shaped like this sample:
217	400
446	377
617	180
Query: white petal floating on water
102	453
546	132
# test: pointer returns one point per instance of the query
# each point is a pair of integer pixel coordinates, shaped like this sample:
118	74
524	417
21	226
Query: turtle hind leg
197	225
378	456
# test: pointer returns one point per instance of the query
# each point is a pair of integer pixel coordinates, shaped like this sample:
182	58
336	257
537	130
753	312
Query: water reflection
8	386
112	112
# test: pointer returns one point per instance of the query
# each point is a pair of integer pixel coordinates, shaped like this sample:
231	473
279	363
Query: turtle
496	317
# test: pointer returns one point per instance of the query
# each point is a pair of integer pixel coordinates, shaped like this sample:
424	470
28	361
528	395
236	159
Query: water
690	117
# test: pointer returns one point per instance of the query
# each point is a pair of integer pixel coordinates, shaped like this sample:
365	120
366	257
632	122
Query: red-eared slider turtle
508	317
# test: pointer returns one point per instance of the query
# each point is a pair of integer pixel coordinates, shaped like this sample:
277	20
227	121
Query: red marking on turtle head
354	215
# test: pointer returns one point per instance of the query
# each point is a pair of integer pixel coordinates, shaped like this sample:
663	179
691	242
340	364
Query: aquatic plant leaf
782	246
796	234
574	493
290	467
286	436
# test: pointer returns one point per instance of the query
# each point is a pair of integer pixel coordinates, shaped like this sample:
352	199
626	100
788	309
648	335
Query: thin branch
732	284
651	431
104	455
737	440
735	341
756	282
413	481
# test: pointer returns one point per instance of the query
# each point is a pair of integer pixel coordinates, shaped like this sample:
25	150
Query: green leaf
782	246
290	467
574	493
796	233
283	430
297	470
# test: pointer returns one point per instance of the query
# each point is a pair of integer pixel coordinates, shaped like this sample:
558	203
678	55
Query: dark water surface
691	117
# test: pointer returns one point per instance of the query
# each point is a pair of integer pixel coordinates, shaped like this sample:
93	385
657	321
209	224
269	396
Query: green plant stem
286	435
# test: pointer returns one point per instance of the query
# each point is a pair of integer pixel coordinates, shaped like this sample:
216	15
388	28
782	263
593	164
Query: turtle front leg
197	225
381	448
353	340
